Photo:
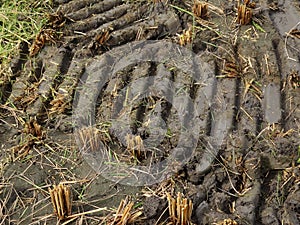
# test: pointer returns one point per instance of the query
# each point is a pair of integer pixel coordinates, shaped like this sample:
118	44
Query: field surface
230	116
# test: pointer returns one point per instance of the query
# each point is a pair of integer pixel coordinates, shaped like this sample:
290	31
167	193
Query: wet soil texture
250	92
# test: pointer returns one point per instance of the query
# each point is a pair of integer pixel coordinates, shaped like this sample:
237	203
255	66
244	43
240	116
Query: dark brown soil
253	178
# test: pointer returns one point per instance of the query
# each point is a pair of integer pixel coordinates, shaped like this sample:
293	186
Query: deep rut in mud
252	82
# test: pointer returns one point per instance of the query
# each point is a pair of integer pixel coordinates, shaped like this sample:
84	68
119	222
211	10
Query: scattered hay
186	37
49	33
45	35
245	12
90	139
100	39
32	133
230	70
159	1
274	131
294	79
59	104
200	9
244	15
180	210
167	186
61	200
28	97
273	6
33	128
255	90
135	146
227	222
125	214
295	33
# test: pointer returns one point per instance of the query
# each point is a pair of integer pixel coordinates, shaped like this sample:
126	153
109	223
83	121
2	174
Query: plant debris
200	9
244	15
89	138
32	133
33	128
61	200
135	146
245	12
294	79
49	33
227	222
125	214
186	37
102	37
295	33
59	104
230	70
100	40
180	210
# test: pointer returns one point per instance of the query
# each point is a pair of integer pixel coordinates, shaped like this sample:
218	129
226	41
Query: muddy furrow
156	27
260	107
289	70
271	80
204	93
16	66
246	161
93	10
129	101
60	104
119	23
23	89
94	36
55	64
285	21
77	5
95	21
287	48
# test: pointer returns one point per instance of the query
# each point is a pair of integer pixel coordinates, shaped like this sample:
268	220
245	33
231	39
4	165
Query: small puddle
271	103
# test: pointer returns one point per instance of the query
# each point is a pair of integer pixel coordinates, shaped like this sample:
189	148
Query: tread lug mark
181	101
79	4
99	19
71	78
151	28
133	92
15	65
25	82
120	22
114	25
97	8
53	63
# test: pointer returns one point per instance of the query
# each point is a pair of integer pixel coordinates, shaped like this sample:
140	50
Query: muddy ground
253	178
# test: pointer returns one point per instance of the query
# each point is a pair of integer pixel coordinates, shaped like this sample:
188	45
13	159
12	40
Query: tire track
113	16
240	109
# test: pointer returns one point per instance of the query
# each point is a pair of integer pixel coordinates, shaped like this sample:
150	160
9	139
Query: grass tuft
20	21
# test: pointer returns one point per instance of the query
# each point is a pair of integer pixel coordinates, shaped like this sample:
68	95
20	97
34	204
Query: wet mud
248	104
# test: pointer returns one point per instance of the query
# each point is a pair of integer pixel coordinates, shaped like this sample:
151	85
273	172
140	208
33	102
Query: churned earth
243	125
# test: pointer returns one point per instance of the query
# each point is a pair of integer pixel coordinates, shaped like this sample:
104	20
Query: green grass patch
20	21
